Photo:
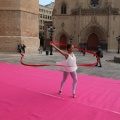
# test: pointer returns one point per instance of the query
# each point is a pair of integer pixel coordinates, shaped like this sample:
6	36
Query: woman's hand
51	43
61	51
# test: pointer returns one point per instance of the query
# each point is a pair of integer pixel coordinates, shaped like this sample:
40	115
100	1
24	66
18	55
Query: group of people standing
21	48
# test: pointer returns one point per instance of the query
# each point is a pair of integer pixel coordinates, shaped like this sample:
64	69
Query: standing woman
68	66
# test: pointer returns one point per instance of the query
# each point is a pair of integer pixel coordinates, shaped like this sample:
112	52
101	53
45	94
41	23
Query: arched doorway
92	42
63	40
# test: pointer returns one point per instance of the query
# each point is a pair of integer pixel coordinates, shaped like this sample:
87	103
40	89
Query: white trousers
74	77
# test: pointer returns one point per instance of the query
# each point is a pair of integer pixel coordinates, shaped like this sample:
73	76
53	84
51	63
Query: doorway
92	42
63	40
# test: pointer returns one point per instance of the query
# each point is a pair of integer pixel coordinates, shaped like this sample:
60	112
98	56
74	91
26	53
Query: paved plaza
109	68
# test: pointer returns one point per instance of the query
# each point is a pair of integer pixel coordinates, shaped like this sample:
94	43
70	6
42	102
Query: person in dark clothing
19	48
23	48
99	53
84	48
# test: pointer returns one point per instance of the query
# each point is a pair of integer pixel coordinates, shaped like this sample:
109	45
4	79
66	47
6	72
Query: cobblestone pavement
109	68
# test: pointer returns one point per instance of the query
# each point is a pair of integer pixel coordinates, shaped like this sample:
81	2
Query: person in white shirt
68	66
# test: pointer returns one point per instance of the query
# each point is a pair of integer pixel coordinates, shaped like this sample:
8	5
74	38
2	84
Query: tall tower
19	23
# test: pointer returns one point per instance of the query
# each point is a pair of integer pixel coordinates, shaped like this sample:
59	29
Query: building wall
45	14
80	22
19	23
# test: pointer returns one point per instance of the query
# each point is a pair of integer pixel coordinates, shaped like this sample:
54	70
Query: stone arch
94	31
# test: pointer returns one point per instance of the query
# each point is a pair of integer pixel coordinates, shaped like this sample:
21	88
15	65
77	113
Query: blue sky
45	2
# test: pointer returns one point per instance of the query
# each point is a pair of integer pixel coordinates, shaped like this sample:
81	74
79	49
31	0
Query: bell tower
19	24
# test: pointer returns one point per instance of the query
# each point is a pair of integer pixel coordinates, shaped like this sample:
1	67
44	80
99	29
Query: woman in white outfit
68	66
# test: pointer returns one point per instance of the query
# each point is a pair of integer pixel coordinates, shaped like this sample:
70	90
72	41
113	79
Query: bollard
47	52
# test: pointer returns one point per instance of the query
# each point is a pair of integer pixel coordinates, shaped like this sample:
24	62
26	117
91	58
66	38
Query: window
40	26
40	21
63	8
94	3
41	10
40	15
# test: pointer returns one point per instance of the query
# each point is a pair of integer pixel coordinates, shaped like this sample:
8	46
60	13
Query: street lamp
118	39
51	29
70	38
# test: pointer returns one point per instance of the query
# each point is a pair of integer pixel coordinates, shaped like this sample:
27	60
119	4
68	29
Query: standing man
19	48
23	48
99	53
84	48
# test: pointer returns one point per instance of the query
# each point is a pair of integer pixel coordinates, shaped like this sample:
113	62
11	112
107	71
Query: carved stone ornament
94	3
106	10
62	25
93	19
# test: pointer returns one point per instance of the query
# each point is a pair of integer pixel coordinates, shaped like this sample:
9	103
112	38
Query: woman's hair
68	46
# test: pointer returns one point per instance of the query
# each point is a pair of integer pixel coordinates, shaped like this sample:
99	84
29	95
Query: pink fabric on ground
28	93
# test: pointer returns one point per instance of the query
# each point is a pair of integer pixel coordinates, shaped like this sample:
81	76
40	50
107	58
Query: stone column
19	23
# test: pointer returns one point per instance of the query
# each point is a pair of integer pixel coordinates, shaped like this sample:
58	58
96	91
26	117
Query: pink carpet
28	93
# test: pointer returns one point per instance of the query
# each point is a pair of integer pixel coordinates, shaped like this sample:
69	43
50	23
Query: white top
69	65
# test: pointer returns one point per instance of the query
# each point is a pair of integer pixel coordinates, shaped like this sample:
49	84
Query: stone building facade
45	14
90	22
19	24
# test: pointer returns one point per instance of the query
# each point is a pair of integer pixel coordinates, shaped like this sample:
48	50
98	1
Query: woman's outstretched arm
59	50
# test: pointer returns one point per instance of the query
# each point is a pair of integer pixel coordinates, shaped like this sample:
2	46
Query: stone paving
109	68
